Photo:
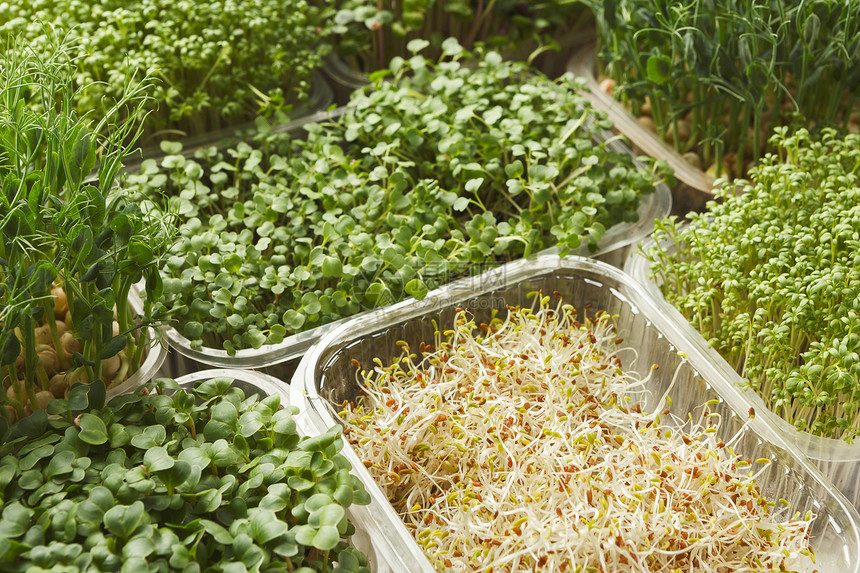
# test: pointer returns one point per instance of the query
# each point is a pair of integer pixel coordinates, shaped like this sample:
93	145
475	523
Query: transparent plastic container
156	353
320	97
252	382
688	376
694	186
281	359
152	362
838	460
343	78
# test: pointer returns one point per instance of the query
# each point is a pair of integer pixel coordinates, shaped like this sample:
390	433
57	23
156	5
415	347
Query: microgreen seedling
501	444
374	32
202	479
450	166
72	245
770	278
216	63
725	77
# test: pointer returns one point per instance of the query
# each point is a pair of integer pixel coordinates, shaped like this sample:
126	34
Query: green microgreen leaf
769	277
406	191
167	494
93	429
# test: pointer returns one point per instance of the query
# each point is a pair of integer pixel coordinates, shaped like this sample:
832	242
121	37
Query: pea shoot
72	246
716	78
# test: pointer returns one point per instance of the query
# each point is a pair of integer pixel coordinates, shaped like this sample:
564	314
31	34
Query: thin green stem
55	335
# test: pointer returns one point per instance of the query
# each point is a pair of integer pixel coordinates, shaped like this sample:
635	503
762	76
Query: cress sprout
217	63
771	279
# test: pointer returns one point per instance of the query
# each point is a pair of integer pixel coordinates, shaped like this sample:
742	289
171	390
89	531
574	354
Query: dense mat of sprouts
769	275
514	447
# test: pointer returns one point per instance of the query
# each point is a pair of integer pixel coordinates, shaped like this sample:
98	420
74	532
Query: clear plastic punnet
183	358
687	377
154	358
152	362
251	382
343	78
320	97
838	460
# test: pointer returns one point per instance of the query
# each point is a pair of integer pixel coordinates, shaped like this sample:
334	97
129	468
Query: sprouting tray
687	375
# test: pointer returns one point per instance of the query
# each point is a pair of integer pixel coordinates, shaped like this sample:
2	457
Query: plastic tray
694	187
838	460
345	78
258	383
687	374
280	359
319	98
152	362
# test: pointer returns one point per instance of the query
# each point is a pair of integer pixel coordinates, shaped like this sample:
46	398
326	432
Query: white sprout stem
515	446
